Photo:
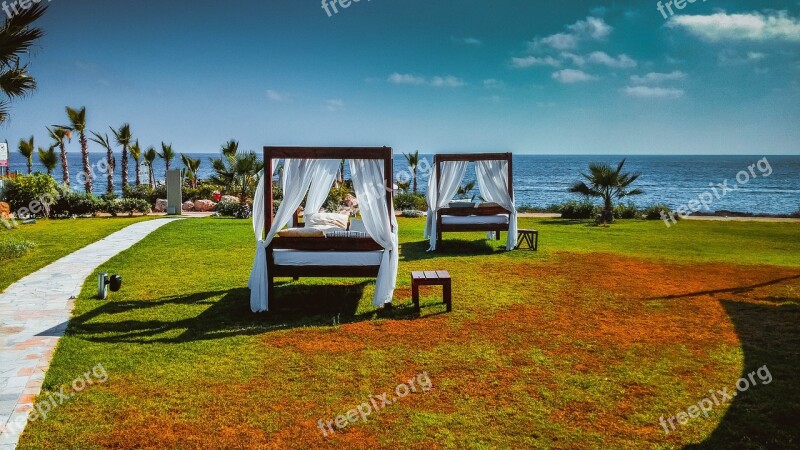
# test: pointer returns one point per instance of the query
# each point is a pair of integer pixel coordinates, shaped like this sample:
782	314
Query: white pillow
358	226
326	220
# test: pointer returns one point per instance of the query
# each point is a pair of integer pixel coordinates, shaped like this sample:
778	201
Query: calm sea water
541	180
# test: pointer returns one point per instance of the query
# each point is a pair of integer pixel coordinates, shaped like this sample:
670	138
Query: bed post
436	164
268	205
510	157
388	176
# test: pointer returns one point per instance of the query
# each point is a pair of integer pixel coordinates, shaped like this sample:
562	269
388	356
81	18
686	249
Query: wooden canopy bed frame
483	211
328	244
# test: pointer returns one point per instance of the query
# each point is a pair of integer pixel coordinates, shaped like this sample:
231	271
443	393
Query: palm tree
413	163
167	154
58	135
49	159
77	119
607	183
123	137
463	191
17	36
106	144
237	172
26	149
192	166
149	158
136	154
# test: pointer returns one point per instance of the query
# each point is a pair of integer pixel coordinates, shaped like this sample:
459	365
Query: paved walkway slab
34	313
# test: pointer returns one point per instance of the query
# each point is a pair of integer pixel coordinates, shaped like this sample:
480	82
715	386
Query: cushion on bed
336	233
488	205
461	204
358	225
302	232
501	219
326	220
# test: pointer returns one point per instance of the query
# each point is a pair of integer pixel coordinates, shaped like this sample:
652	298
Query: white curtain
379	220
493	185
324	177
452	174
298	174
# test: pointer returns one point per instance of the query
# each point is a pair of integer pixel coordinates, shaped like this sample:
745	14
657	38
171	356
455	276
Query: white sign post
3	154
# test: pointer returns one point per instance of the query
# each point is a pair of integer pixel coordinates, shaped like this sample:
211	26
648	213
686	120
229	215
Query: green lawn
585	344
54	239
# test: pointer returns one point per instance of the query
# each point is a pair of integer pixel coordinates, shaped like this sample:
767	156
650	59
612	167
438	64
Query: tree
607	183
106	144
123	137
237	172
149	158
167	154
17	36
49	159
26	149
463	191
192	166
136	154
77	119
413	164
58	135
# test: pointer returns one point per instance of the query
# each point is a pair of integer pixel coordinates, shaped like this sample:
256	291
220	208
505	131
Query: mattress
476	220
344	259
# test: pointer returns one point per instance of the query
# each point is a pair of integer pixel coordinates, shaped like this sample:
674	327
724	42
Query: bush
22	192
243	211
75	204
578	210
404	202
412	213
227	208
13	248
143	192
202	192
629	211
654	212
535	209
131	205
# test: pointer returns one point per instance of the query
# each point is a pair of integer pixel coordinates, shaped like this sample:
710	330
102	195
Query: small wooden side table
432	278
529	237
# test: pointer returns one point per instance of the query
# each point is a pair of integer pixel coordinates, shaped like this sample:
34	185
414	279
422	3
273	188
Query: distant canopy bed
325	246
495	181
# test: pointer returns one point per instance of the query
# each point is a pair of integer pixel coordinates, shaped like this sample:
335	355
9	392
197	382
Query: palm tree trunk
152	177
86	167
64	163
138	177
110	172
414	173
124	167
30	166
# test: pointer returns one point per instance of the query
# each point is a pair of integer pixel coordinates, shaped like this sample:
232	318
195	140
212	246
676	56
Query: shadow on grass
418	251
764	415
294	305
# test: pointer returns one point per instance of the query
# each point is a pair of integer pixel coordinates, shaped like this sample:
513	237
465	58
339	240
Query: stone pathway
34	313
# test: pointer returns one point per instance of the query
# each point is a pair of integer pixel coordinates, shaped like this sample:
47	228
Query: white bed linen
475	220
285	257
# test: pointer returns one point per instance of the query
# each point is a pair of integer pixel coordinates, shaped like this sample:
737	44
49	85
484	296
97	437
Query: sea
751	183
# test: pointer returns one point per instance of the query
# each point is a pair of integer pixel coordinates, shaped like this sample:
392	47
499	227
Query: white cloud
730	57
448	81
569	76
402	78
653	92
530	61
334	105
620	62
578	60
753	26
658	77
468	41
593	28
492	83
276	96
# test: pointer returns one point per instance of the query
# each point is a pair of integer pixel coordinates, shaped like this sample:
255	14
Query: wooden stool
433	278
530	237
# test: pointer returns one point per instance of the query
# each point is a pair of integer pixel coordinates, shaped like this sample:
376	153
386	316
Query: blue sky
578	77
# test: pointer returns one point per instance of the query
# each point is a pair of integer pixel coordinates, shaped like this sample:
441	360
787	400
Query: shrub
227	208
535	209
112	207
404	202
412	213
629	211
243	211
131	205
13	248
654	212
143	192
578	210
22	192
75	204
201	192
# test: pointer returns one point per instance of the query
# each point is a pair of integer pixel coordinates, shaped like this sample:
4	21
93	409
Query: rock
204	205
350	201
230	198
160	206
5	210
187	206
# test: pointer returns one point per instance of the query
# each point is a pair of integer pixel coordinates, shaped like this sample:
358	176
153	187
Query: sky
539	77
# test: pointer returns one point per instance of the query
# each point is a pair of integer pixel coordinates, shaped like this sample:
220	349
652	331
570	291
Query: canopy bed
495	181
325	246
